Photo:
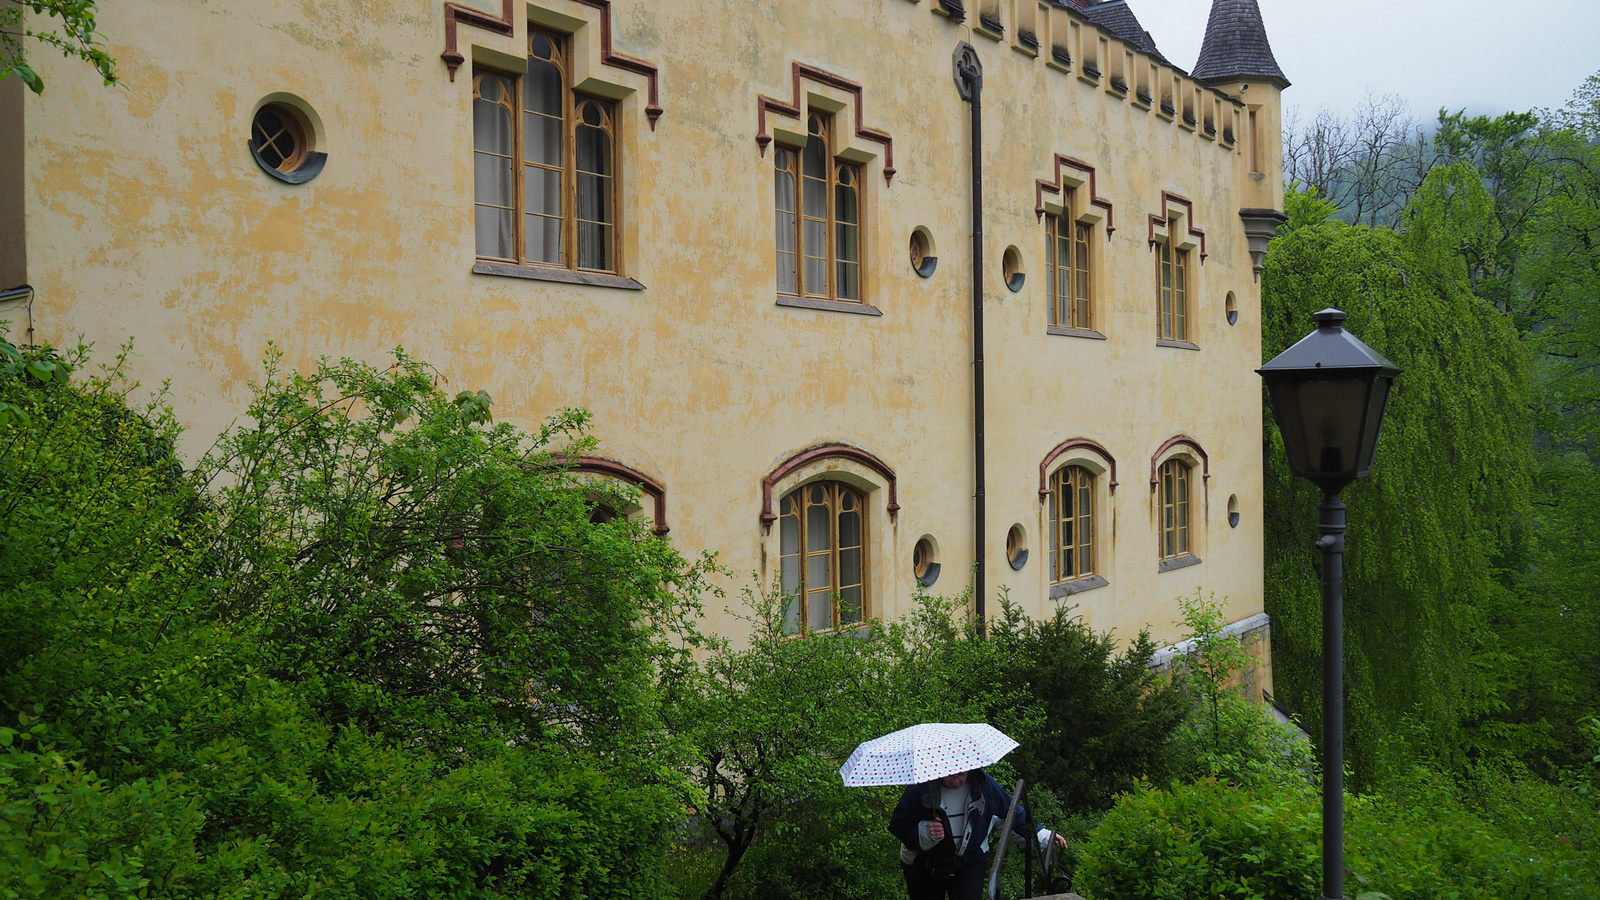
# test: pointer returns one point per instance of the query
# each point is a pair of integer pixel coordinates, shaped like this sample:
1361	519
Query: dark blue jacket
920	803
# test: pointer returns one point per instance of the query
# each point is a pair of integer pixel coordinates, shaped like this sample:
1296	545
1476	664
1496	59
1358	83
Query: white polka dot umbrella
924	752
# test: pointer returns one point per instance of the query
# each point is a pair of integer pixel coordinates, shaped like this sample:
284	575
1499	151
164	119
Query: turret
1237	59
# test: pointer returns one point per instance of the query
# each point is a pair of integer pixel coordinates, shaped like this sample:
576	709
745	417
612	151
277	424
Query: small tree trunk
735	852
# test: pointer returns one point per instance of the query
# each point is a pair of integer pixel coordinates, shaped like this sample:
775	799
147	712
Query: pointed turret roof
1236	46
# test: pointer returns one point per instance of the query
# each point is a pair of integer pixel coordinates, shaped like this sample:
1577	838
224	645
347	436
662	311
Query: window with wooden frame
1175	477
544	165
818	208
1072	525
1069	271
822	553
1172	293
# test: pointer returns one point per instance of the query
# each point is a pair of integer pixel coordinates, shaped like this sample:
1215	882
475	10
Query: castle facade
742	235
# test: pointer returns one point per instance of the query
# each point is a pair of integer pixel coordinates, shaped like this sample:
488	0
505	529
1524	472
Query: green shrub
1225	734
774	720
64	832
1204	839
1208	839
1091	720
305	668
836	845
1419	839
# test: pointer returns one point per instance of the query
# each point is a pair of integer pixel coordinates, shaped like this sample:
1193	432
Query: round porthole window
923	260
1017	547
283	140
1011	267
925	561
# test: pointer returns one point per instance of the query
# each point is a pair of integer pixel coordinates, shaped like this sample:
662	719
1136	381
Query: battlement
1102	47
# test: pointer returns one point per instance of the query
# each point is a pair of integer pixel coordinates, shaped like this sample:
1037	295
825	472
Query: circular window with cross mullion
283	142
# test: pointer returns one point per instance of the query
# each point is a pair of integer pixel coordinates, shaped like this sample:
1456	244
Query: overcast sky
1486	57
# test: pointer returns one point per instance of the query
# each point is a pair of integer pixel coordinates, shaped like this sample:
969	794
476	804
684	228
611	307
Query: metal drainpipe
969	83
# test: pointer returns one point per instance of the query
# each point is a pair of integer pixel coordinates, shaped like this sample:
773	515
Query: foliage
1418	839
1091	720
1543	170
426	569
1208	839
1426	555
832	844
1227	735
1213	659
40	367
239	691
1510	655
1252	830
74	36
1204	839
772	722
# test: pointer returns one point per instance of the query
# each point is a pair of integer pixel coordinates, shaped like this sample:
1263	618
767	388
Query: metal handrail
1048	855
1005	838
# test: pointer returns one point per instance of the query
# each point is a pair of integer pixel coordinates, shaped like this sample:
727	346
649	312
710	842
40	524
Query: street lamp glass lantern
1329	393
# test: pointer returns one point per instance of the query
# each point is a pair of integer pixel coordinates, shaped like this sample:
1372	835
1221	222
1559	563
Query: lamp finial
1329	318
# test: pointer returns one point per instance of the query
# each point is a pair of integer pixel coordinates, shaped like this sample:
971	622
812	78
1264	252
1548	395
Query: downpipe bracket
967	69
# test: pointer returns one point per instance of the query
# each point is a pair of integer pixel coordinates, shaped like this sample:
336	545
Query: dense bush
1091	720
372	647
773	721
1225	735
1204	839
1209	839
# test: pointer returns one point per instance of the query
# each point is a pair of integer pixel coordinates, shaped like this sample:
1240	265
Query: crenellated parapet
1103	47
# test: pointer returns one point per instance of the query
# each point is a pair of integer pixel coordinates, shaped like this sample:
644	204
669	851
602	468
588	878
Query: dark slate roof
1116	17
1236	46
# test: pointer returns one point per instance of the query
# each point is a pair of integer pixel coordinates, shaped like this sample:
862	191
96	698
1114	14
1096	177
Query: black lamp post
1329	393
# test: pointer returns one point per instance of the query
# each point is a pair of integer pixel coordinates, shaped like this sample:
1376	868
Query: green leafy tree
1541	267
435	577
1445	512
772	722
1209	839
386	654
68	26
1227	735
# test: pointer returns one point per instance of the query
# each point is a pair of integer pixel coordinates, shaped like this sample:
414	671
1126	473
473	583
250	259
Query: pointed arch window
822	529
1174	481
817	204
1072	523
545	166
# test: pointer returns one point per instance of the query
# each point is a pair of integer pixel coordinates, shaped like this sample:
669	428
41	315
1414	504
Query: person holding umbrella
950	805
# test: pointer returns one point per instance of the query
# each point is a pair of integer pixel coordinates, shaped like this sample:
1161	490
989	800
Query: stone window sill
844	306
565	276
1076	586
1178	562
1176	345
1065	331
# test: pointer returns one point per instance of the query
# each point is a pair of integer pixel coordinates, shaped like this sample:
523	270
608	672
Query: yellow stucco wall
146	216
